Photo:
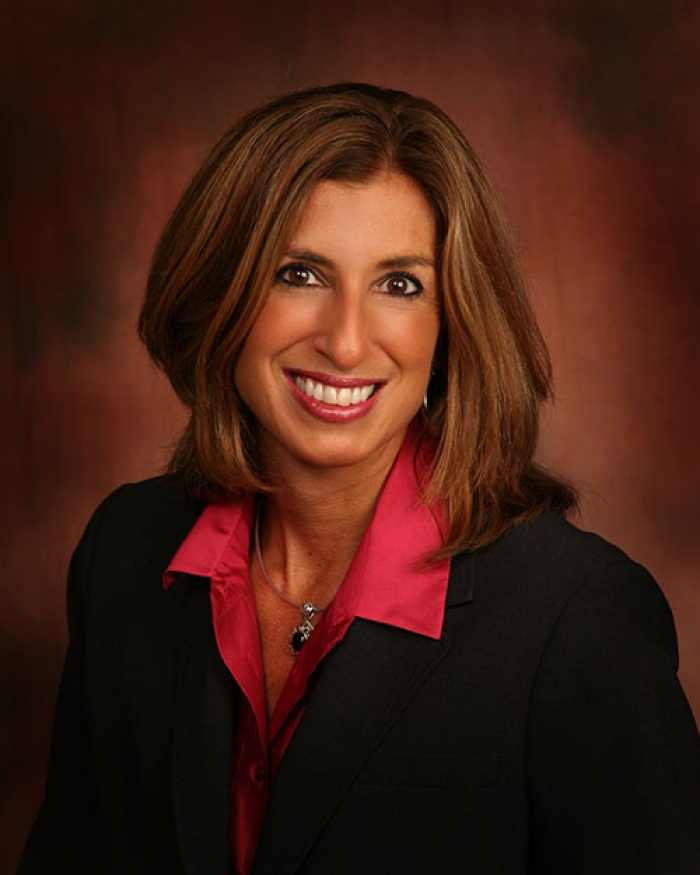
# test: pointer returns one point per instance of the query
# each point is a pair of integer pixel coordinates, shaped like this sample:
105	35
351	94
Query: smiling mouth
336	396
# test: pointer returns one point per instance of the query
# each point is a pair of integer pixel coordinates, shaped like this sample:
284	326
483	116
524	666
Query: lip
333	380
333	413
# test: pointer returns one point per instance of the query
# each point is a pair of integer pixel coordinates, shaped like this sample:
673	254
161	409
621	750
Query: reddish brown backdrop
586	114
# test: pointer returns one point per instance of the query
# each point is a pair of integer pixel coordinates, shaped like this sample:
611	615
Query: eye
297	275
402	285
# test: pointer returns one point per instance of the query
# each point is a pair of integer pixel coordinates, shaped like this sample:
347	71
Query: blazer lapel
461	587
363	686
203	737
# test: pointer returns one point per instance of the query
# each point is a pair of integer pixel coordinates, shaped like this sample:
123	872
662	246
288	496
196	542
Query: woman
351	630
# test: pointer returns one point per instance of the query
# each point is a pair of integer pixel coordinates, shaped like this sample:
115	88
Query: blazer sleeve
63	838
613	755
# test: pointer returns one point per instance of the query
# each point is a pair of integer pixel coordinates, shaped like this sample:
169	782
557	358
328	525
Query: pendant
302	632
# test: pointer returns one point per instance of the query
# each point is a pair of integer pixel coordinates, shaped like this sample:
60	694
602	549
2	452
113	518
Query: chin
349	452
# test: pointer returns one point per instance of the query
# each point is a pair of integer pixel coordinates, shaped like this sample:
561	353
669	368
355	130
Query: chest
276	622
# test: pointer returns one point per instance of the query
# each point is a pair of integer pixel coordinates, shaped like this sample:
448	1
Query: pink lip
330	412
333	380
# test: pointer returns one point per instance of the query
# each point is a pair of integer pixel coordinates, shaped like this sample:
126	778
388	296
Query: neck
312	523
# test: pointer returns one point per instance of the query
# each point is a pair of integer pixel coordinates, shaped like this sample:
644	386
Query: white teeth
330	395
344	397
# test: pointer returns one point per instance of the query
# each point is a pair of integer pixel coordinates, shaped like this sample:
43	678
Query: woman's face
337	363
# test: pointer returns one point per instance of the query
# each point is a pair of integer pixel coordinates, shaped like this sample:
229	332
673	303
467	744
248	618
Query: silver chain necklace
302	632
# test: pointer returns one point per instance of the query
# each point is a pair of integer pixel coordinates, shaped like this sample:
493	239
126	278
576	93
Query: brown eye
402	285
297	275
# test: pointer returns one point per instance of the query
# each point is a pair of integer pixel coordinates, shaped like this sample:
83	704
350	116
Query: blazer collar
461	587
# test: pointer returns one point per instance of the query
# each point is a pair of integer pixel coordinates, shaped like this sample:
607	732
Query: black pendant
302	632
298	640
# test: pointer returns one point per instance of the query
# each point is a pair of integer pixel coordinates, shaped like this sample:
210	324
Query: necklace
301	632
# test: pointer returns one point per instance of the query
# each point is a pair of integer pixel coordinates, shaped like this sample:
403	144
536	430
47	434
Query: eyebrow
400	261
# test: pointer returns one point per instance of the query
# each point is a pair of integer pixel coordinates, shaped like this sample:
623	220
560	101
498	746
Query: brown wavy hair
221	248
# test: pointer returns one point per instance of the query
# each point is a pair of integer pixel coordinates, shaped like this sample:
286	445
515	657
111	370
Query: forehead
386	214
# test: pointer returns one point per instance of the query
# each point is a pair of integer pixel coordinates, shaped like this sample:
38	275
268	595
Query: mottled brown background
586	112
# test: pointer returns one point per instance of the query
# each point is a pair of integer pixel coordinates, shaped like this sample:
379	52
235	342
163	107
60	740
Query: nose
344	336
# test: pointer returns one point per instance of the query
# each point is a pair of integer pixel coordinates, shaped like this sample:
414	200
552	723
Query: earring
426	408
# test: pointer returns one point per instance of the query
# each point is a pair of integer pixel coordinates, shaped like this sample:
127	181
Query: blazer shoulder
550	545
550	567
147	501
545	563
148	518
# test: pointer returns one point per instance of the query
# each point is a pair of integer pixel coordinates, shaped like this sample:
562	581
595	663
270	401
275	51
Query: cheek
281	323
250	367
242	377
260	346
418	343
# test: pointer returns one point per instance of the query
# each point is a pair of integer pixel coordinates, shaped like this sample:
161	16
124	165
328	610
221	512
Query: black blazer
545	733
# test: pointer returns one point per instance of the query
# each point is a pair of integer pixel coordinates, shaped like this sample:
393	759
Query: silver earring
426	408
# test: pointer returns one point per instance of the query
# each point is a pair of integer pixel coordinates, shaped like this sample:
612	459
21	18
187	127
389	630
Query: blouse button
259	773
